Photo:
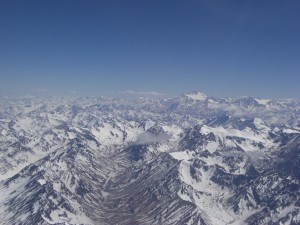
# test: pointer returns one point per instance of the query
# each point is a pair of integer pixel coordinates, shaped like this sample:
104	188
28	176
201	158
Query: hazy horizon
223	49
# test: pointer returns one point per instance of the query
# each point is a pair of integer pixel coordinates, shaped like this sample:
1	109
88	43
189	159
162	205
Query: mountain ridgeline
192	159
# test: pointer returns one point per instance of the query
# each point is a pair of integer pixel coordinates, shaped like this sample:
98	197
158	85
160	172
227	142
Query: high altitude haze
224	48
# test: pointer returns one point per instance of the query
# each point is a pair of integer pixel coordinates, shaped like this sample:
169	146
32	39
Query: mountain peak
196	96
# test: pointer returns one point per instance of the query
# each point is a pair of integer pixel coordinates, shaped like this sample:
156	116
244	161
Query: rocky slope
193	159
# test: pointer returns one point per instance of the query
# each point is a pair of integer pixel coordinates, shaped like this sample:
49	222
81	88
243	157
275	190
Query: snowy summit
196	96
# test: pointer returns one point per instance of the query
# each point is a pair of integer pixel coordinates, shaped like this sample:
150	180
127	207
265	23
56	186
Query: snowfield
191	159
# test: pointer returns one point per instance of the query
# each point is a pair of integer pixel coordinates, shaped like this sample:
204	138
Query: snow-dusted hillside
192	159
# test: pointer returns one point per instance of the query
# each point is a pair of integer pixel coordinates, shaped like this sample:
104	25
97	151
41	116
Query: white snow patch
163	148
197	96
4	132
57	186
290	131
260	124
47	220
212	101
251	137
42	181
262	101
149	124
212	146
72	135
184	196
180	155
174	131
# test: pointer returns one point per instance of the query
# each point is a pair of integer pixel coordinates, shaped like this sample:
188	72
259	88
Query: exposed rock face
188	160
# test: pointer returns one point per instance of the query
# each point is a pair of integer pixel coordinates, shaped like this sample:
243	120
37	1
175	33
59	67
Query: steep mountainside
193	159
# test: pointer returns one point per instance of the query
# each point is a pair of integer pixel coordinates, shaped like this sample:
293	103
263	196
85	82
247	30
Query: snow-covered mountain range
192	159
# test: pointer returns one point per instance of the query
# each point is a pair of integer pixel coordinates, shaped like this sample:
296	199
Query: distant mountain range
192	159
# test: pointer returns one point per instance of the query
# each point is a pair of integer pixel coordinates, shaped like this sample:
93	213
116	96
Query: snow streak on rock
188	160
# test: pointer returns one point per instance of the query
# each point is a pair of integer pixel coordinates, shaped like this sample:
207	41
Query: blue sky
93	47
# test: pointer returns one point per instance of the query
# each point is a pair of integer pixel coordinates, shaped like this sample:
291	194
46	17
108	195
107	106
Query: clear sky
96	47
